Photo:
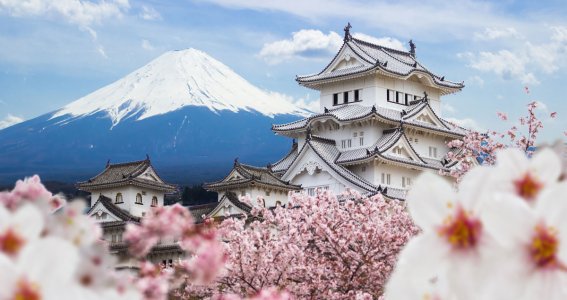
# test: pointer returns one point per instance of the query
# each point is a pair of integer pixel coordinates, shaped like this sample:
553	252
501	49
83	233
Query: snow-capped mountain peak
174	80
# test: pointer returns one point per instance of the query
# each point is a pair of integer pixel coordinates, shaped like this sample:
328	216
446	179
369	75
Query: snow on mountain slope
174	80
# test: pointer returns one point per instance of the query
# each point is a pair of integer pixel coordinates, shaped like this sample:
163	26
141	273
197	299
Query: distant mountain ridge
192	114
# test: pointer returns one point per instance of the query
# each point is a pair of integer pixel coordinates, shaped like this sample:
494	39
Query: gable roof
123	215
121	174
250	175
198	211
283	164
376	59
327	151
231	198
356	112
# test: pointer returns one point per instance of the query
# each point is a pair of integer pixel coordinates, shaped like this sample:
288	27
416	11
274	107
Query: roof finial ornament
373	108
326	110
235	161
347	37
425	96
308	133
412	48
108	163
147	157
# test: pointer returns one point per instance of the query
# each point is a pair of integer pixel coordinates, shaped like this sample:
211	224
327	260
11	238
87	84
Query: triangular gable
226	208
101	214
402	148
150	174
308	160
345	58
425	114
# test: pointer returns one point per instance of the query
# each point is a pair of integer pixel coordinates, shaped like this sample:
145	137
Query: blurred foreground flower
502	236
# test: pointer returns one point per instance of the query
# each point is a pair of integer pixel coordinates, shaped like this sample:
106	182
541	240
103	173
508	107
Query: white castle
378	127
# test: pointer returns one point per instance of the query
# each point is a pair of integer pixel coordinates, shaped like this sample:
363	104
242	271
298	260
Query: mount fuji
189	112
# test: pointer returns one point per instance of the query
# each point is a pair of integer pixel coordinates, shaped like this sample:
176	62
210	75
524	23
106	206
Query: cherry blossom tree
315	247
480	148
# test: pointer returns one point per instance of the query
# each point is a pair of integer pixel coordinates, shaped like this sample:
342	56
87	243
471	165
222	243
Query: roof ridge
324	140
381	46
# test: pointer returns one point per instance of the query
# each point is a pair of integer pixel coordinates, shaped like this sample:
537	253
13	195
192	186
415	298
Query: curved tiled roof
198	211
251	175
283	164
328	152
380	59
354	112
115	210
123	174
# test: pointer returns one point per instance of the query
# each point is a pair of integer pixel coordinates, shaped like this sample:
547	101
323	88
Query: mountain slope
189	112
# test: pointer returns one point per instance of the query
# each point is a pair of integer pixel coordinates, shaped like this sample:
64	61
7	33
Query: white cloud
447	108
405	18
467	123
82	13
524	60
475	80
504	63
147	45
306	42
311	105
384	41
497	33
314	43
149	13
9	121
101	51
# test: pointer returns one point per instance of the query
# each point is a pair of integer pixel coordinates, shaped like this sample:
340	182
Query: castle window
390	95
336	99
399	96
119	198
433	152
278	203
386	178
345	97
139	198
408	99
154	201
406	181
355	134
356	95
267	193
113	238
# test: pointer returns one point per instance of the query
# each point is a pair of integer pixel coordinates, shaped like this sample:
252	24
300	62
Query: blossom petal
8	277
509	220
51	261
546	165
430	200
473	189
28	221
551	207
512	161
4	216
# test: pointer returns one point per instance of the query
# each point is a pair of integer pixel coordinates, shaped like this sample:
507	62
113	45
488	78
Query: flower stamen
11	242
544	247
461	230
527	186
27	291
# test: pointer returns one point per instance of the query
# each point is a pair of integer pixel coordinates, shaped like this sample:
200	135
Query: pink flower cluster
314	247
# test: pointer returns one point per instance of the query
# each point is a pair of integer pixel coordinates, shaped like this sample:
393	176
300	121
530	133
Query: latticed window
154	201
119	198
139	198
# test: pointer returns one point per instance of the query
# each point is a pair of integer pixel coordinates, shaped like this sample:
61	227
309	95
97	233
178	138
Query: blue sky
55	51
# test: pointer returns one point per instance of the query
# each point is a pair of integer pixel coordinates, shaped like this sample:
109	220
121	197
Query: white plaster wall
396	174
129	197
427	140
374	89
371	133
365	171
322	178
